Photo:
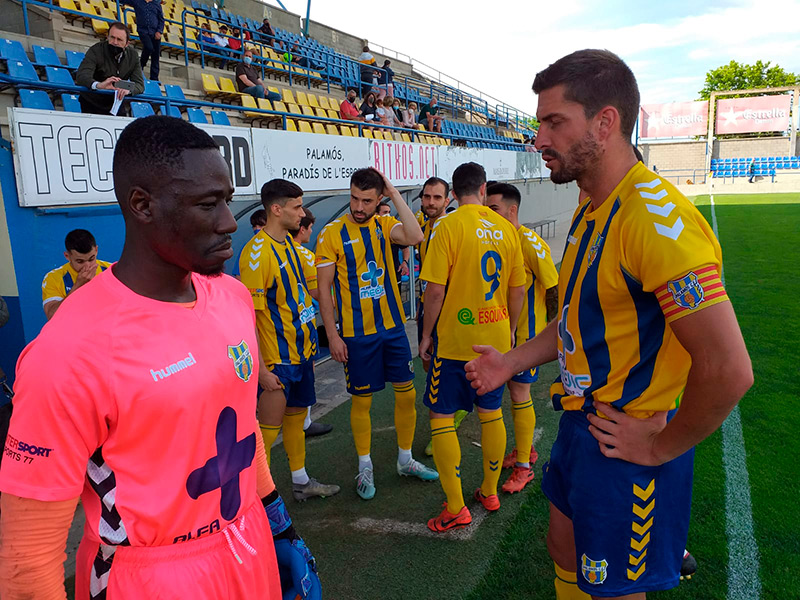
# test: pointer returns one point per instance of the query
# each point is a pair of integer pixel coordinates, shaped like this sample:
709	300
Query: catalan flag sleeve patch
694	291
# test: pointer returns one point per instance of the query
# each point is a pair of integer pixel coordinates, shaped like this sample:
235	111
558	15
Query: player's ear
139	204
66	255
607	121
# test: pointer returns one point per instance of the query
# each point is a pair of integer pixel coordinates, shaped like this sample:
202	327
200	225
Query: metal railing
681	176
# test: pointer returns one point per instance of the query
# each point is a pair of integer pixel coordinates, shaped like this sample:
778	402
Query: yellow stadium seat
288	98
249	102
305	127
210	86
228	87
321	112
448	142
334	103
273	89
323	103
302	99
367	133
397	137
318	128
333	114
312	100
346	131
378	134
291	125
294	109
100	27
405	138
279	106
331	129
308	111
264	104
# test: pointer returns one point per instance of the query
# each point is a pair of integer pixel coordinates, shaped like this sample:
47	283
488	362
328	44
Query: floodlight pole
308	16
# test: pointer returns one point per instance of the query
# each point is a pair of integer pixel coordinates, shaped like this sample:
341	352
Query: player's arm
551	302
266	378
720	375
408	233
314	293
33	537
336	345
516	297
51	307
492	369
434	299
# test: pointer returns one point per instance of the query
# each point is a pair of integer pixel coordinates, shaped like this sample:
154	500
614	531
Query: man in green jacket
104	65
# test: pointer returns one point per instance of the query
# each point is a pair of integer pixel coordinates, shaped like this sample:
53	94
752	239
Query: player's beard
364	219
433	212
581	158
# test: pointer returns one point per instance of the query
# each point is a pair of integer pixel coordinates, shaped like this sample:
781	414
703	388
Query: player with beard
147	412
643	314
353	256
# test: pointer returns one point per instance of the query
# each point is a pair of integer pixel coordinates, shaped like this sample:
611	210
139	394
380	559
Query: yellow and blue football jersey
644	258
540	275
365	284
59	282
273	273
309	265
476	254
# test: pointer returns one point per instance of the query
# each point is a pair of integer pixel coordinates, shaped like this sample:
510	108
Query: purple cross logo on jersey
221	472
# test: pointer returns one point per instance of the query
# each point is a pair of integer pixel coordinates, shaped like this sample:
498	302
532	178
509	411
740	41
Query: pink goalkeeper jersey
145	409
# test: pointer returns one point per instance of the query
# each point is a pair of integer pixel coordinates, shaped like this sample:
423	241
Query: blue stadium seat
22	70
152	88
12	50
196	115
71	103
35	99
58	75
219	117
74	59
141	109
172	111
174	91
43	55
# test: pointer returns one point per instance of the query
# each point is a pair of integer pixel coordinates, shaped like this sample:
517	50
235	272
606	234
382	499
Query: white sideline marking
743	559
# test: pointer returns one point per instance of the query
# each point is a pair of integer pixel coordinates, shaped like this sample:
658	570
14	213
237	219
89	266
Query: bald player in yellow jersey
643	314
539	307
475	286
353	256
272	270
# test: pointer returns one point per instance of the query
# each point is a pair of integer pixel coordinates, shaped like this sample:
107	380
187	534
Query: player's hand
269	381
108	84
158	35
489	371
513	339
338	348
425	347
85	275
404	269
388	189
625	437
121	93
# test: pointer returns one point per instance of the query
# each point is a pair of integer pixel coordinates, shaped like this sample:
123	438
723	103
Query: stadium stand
763	166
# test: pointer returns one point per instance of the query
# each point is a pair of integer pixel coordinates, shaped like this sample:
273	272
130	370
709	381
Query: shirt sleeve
325	250
256	279
60	420
517	277
52	288
439	257
309	269
542	263
677	257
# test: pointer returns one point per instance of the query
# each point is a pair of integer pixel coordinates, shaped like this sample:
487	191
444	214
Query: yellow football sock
270	434
447	456
294	439
360	423
524	424
567	585
493	442
405	414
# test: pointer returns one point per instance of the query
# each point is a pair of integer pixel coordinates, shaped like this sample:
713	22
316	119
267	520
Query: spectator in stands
248	80
235	43
150	26
751	169
287	56
348	109
429	117
221	41
368	74
369	108
385	79
366	58
410	116
267	33
105	64
395	104
386	114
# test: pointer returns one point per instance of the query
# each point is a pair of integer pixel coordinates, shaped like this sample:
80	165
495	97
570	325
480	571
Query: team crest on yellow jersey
594	571
242	360
594	250
687	291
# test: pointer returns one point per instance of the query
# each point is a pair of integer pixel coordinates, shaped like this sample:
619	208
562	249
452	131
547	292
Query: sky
499	46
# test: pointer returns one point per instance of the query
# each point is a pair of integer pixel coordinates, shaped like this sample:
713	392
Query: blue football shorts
372	360
448	390
298	383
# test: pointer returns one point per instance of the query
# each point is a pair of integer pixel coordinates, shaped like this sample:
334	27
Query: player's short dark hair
468	179
509	192
594	79
122	26
307	221
278	191
367	179
435	181
258	218
151	145
80	241
638	154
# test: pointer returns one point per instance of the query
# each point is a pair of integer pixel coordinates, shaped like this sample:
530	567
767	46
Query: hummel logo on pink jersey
173	368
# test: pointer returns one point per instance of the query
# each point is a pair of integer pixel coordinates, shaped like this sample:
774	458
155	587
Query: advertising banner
404	163
675	119
754	114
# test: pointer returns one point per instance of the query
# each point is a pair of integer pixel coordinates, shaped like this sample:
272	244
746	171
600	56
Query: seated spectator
248	80
105	64
150	27
221	40
385	114
348	109
428	116
394	103
267	33
410	116
369	108
235	43
295	57
81	267
385	79
287	57
206	37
